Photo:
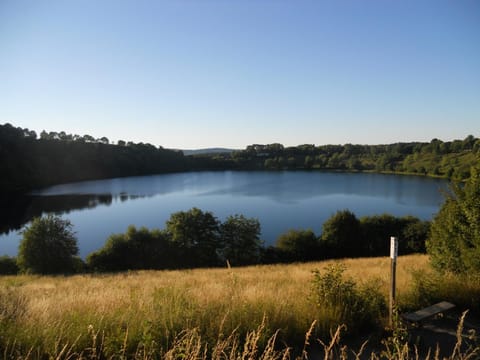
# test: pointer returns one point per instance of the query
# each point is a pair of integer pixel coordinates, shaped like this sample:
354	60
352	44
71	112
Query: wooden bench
428	312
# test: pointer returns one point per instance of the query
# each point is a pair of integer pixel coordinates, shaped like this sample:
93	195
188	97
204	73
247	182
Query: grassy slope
142	313
160	304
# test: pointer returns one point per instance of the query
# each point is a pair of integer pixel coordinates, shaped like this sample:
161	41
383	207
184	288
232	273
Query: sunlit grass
153	307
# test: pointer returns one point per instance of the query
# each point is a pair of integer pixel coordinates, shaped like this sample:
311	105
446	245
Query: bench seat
428	312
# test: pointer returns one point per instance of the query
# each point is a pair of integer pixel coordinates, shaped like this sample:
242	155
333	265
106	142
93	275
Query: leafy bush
136	249
299	245
430	287
377	230
345	302
8	265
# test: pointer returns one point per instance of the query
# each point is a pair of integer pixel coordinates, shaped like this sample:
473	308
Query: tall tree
241	242
196	234
341	234
454	242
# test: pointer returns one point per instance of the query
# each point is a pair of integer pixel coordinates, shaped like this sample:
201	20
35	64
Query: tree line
451	159
196	238
30	161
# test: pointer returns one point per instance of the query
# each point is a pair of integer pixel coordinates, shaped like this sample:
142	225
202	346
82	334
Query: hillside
125	310
29	161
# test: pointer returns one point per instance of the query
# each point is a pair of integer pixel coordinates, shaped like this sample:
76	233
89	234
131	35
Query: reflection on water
17	211
280	200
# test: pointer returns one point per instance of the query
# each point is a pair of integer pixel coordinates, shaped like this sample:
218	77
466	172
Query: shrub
377	230
299	245
430	287
134	250
345	302
8	265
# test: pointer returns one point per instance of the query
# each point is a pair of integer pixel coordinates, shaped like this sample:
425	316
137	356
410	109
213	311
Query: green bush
430	287
299	245
8	265
136	249
344	302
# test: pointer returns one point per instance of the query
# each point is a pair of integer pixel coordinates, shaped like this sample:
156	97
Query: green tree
454	241
196	234
309	161
240	236
376	231
341	235
299	245
48	246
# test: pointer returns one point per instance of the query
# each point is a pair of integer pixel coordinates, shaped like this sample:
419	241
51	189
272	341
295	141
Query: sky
200	73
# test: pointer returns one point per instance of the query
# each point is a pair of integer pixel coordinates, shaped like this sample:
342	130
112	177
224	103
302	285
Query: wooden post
393	258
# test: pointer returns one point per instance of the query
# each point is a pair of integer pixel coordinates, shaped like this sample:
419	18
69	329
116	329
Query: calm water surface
280	200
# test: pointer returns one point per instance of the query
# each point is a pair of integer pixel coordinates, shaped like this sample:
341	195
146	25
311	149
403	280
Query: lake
280	201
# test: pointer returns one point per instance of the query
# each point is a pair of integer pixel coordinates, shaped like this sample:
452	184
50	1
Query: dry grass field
150	309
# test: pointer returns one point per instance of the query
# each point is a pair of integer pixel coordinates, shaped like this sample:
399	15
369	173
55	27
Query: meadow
147	314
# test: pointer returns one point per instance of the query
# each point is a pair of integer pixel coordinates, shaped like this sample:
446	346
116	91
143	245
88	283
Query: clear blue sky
193	74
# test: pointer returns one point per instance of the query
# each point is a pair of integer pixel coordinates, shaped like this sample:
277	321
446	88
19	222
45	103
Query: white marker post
393	257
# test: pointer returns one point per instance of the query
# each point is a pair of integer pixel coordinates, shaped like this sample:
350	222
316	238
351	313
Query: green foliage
435	158
196	234
377	229
8	265
48	246
413	236
341	234
430	287
454	242
299	245
192	238
240	239
396	345
56	157
136	249
357	306
30	162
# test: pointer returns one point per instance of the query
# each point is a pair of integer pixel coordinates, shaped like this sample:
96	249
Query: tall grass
146	313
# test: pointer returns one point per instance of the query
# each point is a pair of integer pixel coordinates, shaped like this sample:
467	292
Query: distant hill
208	151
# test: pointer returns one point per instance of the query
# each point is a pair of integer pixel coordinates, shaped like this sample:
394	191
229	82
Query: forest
29	161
